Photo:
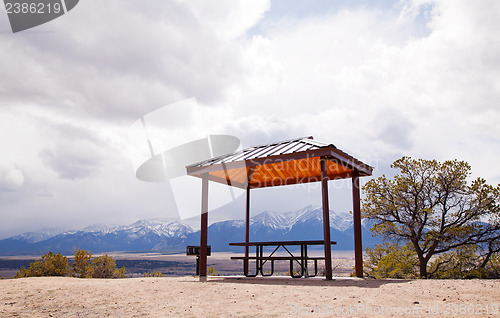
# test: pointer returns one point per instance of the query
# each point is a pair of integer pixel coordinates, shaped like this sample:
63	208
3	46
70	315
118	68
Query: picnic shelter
295	161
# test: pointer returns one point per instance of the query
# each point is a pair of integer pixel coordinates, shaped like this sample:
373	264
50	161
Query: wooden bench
260	259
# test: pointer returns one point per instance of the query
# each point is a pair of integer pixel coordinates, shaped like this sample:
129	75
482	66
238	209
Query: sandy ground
247	297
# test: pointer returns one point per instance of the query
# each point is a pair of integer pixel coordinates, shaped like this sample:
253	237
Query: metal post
326	219
197	264
204	228
247	230
358	245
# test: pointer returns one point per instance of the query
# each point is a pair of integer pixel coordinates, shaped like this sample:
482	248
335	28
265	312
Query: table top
312	242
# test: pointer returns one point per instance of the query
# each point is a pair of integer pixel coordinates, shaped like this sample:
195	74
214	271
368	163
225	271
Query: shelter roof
280	163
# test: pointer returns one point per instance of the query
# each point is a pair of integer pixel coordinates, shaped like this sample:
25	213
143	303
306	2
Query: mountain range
173	236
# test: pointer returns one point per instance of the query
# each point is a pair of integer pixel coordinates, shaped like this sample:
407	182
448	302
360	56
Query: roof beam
291	181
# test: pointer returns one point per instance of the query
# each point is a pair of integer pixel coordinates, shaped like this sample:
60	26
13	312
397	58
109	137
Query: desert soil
247	297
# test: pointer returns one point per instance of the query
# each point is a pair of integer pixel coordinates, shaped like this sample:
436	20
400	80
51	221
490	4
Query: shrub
396	261
82	267
492	268
57	265
105	267
462	262
153	274
49	265
212	272
391	261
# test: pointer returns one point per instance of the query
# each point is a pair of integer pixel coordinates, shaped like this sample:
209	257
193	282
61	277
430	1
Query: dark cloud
69	165
70	89
73	152
396	129
115	59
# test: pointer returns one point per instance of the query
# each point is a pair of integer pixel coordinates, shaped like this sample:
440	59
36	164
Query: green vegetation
153	274
84	266
212	272
397	261
465	262
105	267
451	227
49	265
391	260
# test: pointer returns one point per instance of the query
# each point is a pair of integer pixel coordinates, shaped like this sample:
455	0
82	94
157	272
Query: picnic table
261	259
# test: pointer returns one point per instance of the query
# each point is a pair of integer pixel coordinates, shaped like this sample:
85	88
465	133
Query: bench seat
277	258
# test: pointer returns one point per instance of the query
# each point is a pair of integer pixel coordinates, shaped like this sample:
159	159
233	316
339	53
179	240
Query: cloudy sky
377	79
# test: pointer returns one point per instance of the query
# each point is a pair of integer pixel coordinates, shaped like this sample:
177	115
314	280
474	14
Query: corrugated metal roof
267	150
280	163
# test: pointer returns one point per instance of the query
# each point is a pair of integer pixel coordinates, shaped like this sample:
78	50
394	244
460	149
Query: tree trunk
423	268
421	259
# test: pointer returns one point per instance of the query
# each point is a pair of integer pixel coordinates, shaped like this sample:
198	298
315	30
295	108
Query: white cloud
370	81
419	78
11	178
71	88
127	58
229	19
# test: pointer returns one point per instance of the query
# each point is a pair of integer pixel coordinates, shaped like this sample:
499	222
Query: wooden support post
358	245
204	228
247	229
326	219
250	171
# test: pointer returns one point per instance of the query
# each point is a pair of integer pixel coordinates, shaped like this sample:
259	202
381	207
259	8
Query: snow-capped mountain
338	221
273	220
168	235
159	227
103	228
41	235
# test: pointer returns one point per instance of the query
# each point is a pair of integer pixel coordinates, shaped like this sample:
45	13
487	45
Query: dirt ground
247	297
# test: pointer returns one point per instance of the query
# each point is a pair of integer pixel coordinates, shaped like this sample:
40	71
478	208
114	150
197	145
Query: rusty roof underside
282	163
